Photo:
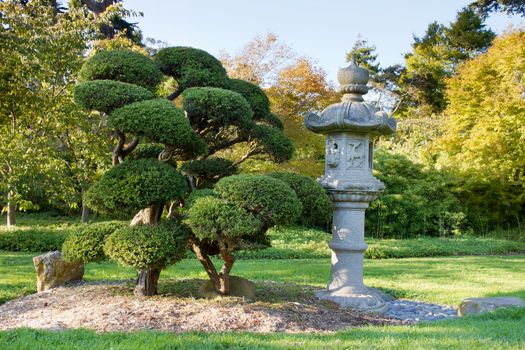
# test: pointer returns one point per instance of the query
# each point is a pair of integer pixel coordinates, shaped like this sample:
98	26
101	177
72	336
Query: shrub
134	185
273	120
122	65
271	200
243	208
108	95
147	247
87	245
317	206
33	239
416	201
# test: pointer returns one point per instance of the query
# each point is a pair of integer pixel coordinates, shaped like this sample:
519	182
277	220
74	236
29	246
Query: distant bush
87	245
302	243
33	239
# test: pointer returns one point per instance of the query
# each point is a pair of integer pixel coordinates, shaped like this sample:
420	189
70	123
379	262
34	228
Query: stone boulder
53	271
239	287
474	306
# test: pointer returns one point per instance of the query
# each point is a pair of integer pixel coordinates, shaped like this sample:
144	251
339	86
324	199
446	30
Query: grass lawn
438	270
443	280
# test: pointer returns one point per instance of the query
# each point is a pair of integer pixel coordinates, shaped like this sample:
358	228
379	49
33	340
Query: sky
322	30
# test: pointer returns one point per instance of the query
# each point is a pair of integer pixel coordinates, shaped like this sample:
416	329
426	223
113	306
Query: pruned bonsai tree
240	206
164	155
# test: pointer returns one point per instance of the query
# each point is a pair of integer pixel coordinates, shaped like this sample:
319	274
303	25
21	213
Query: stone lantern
351	127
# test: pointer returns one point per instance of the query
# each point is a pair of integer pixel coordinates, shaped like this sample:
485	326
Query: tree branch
97	7
117	151
226	249
224	145
130	147
206	263
176	93
251	153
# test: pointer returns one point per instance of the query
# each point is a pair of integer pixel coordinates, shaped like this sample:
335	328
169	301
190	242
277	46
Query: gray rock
53	271
474	306
239	287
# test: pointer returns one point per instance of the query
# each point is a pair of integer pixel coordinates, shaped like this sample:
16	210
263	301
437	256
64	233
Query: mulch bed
110	306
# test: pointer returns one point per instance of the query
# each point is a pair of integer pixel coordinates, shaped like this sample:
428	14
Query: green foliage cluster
317	206
87	245
254	95
274	143
215	219
273	120
208	171
207	106
157	120
108	95
148	247
146	150
270	199
122	65
134	185
191	67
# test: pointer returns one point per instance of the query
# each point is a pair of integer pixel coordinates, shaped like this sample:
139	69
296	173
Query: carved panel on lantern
355	154
333	153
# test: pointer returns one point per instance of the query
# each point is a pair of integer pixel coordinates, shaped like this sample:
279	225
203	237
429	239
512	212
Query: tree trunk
85	209
226	249
208	265
11	210
148	216
147	281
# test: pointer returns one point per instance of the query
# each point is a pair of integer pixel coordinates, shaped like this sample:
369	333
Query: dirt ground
111	306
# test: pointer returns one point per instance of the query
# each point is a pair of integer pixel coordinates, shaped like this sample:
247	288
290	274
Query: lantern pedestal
346	286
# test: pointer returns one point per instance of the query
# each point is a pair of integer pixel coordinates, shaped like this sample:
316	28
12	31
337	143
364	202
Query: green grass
444	280
502	330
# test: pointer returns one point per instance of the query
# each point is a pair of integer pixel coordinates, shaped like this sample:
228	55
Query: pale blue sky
323	30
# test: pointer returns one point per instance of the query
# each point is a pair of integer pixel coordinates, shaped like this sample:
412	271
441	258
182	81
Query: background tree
364	54
484	133
435	57
511	7
41	52
259	60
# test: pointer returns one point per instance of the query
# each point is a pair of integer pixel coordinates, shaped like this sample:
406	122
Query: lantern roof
352	114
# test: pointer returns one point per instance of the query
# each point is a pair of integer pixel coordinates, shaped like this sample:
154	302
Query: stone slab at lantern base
475	306
369	299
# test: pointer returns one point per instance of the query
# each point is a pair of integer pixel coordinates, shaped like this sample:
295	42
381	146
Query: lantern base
369	299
